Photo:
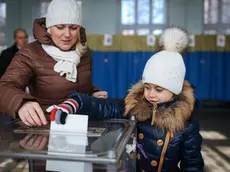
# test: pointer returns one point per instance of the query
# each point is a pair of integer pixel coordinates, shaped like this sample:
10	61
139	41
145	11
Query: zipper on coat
154	113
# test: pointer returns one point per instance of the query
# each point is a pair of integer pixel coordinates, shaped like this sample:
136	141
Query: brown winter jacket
33	67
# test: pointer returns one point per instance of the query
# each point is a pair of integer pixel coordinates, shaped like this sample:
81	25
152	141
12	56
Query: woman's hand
31	114
101	94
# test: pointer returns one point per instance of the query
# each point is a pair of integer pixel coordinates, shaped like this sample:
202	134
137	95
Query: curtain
208	72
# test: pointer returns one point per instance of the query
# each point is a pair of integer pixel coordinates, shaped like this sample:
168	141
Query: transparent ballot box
106	147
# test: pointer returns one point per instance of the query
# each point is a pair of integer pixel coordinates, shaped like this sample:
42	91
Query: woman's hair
81	46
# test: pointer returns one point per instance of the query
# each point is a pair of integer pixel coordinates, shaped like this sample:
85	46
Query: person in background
168	134
20	40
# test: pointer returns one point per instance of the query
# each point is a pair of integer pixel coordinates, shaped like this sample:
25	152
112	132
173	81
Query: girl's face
156	94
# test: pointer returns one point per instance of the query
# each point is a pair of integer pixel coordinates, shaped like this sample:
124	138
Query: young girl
162	104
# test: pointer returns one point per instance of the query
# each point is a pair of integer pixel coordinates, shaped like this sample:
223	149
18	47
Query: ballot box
108	146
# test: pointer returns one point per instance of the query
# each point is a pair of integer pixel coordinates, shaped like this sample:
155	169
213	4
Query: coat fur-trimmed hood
172	118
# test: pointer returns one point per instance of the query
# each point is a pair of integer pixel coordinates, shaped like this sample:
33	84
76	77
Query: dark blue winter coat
184	149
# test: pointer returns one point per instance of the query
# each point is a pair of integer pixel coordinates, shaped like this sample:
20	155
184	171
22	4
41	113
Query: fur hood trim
173	118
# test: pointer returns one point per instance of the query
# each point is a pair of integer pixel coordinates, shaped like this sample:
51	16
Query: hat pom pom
174	39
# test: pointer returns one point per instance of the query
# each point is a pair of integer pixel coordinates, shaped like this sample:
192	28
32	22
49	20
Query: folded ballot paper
69	139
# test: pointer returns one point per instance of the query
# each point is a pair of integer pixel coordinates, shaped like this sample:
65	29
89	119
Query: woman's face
64	35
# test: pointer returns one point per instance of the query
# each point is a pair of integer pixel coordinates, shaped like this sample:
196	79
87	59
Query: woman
57	63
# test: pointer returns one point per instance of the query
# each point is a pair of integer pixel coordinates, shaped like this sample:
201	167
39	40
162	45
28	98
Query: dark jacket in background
6	57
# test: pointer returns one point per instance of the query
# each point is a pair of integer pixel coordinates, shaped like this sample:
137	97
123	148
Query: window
225	12
128	32
128	12
143	31
216	16
2	25
210	11
142	17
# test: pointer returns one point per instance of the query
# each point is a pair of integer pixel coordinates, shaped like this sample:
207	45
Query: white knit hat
63	12
166	68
